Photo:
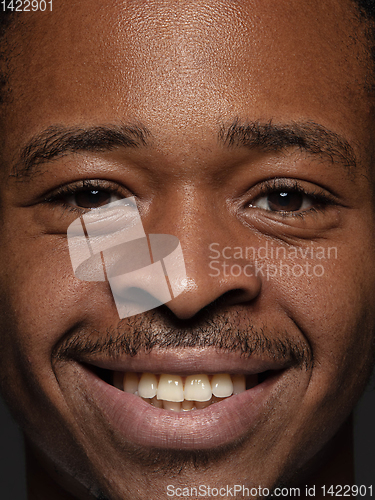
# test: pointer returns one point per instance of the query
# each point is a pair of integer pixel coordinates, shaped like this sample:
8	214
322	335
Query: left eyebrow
308	136
57	141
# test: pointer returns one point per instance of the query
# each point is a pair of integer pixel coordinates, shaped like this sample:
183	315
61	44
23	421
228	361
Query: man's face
256	128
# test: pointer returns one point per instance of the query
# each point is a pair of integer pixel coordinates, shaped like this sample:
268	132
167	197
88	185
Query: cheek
334	312
40	301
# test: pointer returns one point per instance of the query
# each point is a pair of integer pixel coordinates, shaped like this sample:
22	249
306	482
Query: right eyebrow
57	141
308	136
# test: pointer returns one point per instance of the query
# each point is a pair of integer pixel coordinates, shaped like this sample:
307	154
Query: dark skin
183	73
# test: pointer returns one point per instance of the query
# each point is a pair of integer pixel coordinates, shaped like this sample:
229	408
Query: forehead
178	66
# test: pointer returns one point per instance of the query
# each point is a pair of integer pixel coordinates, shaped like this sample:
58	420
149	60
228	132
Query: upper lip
187	361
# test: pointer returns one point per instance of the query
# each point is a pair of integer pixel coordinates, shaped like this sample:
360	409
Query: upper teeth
192	391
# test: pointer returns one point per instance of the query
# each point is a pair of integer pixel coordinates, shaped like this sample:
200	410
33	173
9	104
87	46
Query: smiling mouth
182	393
185	399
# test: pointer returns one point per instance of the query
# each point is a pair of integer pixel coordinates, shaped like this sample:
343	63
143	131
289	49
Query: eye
285	201
91	198
286	196
86	195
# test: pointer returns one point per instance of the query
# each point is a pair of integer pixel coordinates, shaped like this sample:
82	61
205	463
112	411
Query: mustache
226	332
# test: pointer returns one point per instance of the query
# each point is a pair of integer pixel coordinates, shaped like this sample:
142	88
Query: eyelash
320	197
84	185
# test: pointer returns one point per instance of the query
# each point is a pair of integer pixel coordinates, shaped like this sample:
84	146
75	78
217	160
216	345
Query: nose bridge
196	220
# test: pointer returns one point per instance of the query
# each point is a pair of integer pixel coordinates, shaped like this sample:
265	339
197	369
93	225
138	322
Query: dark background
12	475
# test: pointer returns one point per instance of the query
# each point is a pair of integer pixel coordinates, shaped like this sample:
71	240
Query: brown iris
92	198
284	201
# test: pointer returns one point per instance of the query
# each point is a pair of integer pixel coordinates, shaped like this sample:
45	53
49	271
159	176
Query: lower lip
142	424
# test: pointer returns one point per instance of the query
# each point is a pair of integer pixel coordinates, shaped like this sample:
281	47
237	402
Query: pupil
92	198
285	202
284	199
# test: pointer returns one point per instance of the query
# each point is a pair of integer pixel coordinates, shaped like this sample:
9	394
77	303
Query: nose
210	279
212	274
